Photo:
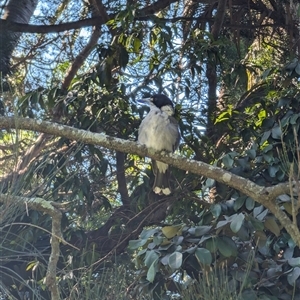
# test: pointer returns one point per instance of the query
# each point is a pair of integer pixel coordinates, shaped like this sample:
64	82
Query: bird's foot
162	191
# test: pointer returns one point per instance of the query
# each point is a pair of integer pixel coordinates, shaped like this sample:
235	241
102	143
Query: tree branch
18	27
263	195
81	58
121	178
29	28
216	28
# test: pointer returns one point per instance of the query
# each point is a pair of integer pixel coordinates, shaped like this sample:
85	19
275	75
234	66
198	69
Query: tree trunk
19	11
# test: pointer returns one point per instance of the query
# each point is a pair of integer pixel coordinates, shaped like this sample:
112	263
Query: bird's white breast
157	132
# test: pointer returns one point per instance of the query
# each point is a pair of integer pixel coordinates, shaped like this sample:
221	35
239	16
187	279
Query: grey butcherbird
159	130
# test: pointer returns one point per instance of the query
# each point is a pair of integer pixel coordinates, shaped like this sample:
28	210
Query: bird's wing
175	131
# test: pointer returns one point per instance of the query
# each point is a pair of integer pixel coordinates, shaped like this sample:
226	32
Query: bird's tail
161	184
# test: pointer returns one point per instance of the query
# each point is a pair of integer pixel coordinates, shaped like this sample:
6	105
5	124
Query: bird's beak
145	101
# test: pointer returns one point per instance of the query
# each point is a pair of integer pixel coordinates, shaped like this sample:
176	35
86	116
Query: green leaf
239	202
276	133
134	244
146	233
152	271
237	222
227	161
243	233
201	230
226	246
171	231
203	256
294	262
251	153
297	69
158	240
262	215
249	295
260	238
211	245
293	276
150	257
265	137
271	224
31	265
136	44
250	203
257	210
175	260
222	117
283	102
216	210
293	119
209	182
222	223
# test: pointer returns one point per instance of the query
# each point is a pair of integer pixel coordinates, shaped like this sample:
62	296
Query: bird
159	130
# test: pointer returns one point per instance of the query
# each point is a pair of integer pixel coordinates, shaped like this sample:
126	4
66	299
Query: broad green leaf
293	119
288	253
201	230
273	170
216	210
211	245
284	198
293	276
191	249
239	202
175	260
251	153
209	182
291	243
258	225
158	240
227	161
152	271
257	210
297	69
146	233
288	206
243	233
165	260
237	222
262	215
265	137
283	102
294	262
134	244
203	256
150	257
271	224
136	44
250	203
141	252
222	223
177	240
226	246
249	295
260	238
171	231
276	133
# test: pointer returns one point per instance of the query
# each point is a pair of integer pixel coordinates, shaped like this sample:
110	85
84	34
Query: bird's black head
161	100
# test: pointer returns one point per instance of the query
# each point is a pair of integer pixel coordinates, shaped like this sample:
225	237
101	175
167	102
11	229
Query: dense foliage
232	70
